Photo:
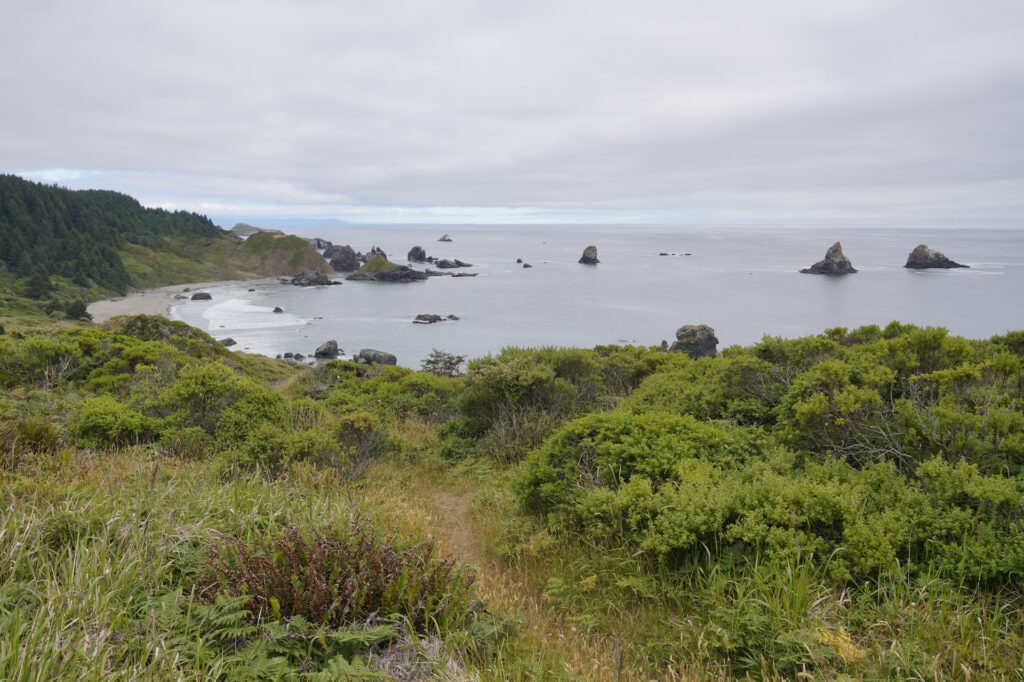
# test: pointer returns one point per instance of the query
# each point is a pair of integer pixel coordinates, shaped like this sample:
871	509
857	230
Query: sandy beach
158	301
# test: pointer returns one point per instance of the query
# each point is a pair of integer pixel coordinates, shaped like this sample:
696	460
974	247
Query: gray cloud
680	110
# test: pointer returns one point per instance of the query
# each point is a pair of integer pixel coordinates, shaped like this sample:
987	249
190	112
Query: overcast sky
903	111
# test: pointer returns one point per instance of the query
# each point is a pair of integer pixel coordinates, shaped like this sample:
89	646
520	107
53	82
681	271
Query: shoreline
158	301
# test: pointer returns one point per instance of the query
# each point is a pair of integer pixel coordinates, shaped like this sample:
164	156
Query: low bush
338	577
104	421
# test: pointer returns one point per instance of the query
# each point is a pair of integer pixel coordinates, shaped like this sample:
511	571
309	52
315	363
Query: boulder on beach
922	258
228	342
201	296
445	238
417	254
589	256
369	356
696	340
328	349
835	263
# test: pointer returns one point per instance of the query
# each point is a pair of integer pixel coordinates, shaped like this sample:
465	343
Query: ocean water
743	281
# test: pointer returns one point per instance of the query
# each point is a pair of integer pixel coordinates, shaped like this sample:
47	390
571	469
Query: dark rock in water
664	254
449	264
379	269
527	265
589	256
687	254
278	356
427	318
185	290
328	349
519	260
369	356
228	342
374	252
299	356
201	296
464	274
289	354
922	257
278	309
342	258
696	340
417	254
835	263
445	238
252	290
311	279
453	317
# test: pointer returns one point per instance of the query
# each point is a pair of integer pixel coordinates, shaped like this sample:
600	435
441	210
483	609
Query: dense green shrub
104	421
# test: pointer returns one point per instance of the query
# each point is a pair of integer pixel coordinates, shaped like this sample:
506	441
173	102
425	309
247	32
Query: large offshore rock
379	269
417	254
589	256
922	257
696	340
369	356
835	263
342	257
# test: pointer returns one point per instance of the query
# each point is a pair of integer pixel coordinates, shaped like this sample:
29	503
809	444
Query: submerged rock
328	349
922	257
311	279
201	296
696	340
589	256
835	263
454	263
369	356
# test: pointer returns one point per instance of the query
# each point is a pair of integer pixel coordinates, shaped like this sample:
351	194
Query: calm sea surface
744	282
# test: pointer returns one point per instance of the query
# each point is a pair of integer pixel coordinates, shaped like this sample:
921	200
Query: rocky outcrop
589	256
527	265
922	257
379	269
201	296
320	244
311	279
438	273
369	356
328	350
446	264
696	340
417	255
245	230
445	238
374	252
342	257
278	309
835	263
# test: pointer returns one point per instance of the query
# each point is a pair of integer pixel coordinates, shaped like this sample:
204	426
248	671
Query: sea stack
328	350
445	238
696	340
835	263
417	254
589	256
922	257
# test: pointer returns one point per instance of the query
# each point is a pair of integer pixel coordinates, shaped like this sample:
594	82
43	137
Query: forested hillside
48	230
